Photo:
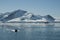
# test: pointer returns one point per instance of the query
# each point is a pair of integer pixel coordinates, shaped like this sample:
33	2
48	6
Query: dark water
30	32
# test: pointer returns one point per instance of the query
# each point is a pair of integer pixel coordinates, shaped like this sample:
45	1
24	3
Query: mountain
49	18
21	15
31	16
4	15
12	15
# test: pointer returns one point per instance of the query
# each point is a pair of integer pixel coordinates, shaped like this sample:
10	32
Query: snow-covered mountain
24	16
4	15
49	18
31	16
12	15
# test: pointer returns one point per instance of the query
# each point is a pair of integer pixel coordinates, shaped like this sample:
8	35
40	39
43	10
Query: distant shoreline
29	22
26	23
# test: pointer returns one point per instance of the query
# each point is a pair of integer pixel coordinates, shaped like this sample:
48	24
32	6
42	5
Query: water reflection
30	32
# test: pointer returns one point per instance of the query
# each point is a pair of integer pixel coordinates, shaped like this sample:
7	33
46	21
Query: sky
37	7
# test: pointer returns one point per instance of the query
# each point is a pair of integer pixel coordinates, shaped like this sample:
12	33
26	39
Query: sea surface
30	31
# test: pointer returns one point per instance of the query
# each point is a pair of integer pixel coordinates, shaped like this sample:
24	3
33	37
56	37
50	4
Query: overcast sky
38	7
